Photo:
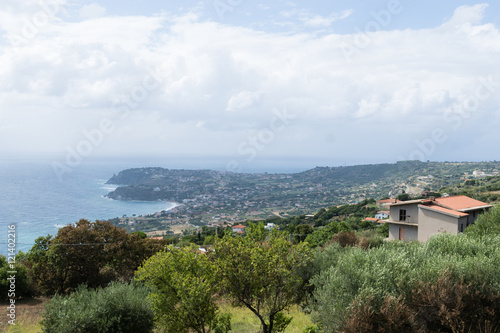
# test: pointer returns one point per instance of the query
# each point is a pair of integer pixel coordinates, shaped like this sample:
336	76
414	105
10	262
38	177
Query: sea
37	200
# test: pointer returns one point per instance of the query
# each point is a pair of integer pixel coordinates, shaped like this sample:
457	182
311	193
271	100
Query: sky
334	83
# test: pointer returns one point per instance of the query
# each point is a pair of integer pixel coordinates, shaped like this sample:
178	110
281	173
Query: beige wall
411	232
431	223
411	210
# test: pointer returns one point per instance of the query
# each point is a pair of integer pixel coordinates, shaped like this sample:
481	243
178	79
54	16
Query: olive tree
262	275
184	283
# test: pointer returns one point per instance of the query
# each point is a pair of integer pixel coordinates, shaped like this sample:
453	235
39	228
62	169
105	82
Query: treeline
485	189
316	229
348	284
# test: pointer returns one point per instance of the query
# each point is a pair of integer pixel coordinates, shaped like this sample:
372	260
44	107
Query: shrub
357	283
392	316
346	238
22	280
446	305
117	308
486	224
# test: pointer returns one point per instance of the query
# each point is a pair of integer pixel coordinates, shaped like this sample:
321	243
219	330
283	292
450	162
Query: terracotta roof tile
460	202
445	210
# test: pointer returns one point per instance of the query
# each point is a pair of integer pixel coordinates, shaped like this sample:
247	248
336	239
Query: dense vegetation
90	253
485	189
117	308
345	275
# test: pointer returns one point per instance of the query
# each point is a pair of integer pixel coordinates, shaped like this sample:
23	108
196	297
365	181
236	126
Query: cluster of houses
240	228
418	220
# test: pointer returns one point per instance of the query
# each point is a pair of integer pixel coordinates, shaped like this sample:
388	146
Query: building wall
411	232
411	210
431	223
474	214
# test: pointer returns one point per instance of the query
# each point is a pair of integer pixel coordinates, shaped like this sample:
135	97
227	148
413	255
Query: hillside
209	195
484	188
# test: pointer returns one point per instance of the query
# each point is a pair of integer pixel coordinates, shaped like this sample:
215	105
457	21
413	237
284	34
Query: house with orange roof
423	218
239	228
373	219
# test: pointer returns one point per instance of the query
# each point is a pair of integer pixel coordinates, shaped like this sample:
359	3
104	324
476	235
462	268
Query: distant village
231	208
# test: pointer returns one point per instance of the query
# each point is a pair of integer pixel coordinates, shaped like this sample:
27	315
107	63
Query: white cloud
243	100
93	10
307	19
322	21
402	81
468	15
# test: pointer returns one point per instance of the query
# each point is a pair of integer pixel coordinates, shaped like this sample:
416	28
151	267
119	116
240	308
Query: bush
372	284
346	238
22	280
486	224
117	308
444	306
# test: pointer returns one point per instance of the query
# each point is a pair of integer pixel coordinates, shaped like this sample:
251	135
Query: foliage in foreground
262	275
90	253
185	282
486	224
117	308
394	283
21	282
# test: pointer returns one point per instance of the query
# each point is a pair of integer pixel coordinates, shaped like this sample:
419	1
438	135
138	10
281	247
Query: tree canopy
262	275
185	282
90	253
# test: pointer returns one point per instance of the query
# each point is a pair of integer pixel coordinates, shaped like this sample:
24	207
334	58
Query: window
402	214
462	227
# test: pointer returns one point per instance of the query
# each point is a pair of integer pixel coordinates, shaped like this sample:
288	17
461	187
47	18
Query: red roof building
423	218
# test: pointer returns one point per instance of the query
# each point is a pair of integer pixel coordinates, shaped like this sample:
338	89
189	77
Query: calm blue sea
34	199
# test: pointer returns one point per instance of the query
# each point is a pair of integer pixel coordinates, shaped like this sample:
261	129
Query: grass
28	316
244	321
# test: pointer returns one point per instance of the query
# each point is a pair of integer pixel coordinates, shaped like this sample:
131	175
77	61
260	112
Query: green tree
90	253
486	224
185	283
22	281
140	234
322	235
302	230
262	276
403	196
256	232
